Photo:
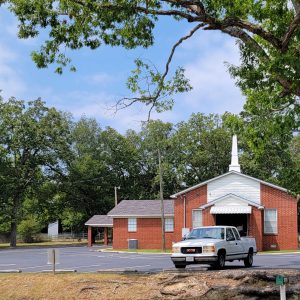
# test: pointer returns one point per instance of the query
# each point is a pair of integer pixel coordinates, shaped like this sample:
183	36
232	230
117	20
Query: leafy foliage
28	229
33	141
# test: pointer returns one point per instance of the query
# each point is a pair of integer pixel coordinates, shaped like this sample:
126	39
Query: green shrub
28	229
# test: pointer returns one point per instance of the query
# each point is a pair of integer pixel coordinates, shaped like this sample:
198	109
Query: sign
53	256
281	280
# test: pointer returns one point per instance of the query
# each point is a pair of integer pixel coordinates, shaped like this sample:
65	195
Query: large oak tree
34	141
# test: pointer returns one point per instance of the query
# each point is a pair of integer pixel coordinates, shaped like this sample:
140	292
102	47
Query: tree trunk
13	223
13	233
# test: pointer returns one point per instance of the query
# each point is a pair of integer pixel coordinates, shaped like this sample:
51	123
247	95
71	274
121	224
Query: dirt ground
227	284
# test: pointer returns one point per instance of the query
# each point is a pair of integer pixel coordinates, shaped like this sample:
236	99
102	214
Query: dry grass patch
205	285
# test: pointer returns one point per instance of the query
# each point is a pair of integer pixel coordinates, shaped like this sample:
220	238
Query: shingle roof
100	220
142	208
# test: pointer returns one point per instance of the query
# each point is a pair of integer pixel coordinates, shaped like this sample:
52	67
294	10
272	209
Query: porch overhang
233	209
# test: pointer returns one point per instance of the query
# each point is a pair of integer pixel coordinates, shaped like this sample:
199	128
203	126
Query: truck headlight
176	250
208	249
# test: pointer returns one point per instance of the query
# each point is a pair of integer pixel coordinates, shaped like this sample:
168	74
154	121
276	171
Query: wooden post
90	238
105	236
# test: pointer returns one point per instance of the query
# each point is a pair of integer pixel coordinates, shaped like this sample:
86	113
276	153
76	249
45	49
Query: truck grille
191	250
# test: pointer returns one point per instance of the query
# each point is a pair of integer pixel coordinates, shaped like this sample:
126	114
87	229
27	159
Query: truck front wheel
248	261
180	266
220	263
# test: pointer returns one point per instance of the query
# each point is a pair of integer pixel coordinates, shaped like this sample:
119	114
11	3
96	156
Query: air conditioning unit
132	244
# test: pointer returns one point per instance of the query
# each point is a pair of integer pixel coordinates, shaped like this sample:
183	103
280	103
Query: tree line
54	167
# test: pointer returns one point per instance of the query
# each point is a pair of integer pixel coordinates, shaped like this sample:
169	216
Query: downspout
184	211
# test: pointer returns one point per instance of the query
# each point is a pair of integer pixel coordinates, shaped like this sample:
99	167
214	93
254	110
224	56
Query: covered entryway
240	221
232	210
99	221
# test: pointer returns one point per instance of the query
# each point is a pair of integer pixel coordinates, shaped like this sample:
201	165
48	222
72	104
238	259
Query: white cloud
214	91
11	82
99	78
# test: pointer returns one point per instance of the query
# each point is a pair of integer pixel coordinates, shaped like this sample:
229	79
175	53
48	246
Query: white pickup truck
213	245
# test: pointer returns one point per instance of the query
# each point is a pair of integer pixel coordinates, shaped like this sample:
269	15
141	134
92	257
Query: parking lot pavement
84	259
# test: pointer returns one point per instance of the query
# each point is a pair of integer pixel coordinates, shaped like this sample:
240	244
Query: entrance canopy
231	204
233	209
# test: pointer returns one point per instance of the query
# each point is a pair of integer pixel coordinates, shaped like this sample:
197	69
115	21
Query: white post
282	292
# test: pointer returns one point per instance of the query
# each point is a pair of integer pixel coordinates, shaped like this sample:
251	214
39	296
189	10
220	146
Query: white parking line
6	265
34	267
81	267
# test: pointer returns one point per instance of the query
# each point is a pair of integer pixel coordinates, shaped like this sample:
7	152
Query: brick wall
255	227
148	234
287	237
194	199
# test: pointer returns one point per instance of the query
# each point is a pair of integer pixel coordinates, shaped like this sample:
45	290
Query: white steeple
234	166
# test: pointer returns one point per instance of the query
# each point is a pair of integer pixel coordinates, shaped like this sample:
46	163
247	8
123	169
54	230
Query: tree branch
290	31
145	10
296	4
154	98
246	38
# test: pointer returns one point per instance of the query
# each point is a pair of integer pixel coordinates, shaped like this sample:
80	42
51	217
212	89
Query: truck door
233	245
239	244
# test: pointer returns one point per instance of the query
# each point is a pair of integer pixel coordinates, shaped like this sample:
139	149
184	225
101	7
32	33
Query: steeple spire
234	166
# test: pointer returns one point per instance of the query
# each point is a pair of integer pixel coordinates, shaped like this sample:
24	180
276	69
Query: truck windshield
206	233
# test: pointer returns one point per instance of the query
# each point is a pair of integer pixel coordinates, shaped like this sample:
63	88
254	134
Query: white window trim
169	230
268	232
130	227
194	210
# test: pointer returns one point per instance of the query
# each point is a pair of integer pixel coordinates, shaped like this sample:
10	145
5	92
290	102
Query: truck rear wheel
248	261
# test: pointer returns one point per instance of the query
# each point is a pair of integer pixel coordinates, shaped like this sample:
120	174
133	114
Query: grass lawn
45	244
278	251
139	250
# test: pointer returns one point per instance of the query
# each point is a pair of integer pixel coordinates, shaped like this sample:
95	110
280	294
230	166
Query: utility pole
116	194
161	203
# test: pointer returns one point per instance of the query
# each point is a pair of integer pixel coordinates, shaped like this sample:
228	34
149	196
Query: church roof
227	174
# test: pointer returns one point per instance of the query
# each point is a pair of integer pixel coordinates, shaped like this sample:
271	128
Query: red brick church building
257	208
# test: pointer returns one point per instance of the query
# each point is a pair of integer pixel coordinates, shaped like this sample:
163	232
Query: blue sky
101	75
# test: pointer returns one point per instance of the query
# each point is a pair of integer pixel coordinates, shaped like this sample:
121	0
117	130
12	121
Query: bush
28	229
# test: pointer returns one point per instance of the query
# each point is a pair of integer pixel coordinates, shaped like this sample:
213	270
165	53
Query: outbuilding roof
142	208
100	220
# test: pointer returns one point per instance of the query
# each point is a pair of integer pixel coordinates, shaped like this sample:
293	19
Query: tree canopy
33	144
267	33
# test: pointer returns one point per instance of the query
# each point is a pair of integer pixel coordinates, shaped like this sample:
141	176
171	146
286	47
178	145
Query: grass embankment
45	244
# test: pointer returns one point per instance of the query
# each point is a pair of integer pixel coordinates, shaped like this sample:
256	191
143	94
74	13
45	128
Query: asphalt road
85	259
